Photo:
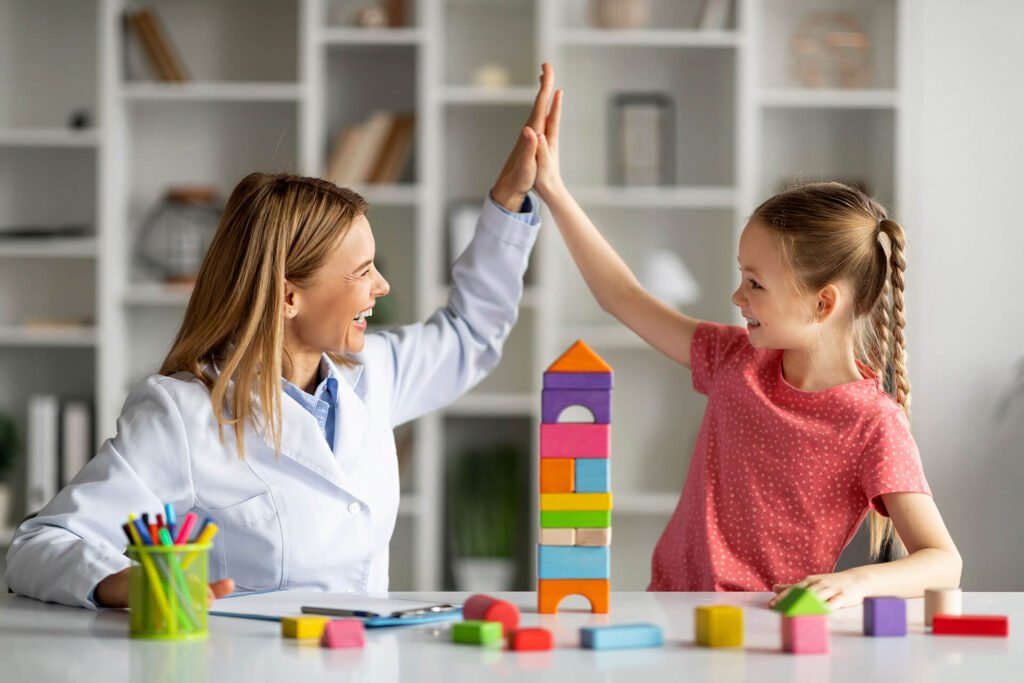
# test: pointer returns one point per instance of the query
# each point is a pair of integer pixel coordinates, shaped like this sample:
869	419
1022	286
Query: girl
799	439
273	412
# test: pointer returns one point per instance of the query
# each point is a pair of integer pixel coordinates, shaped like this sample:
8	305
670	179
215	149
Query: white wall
966	271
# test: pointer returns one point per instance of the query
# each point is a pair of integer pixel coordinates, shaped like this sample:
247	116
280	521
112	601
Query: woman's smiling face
329	315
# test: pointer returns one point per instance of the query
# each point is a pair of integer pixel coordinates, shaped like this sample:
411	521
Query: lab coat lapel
303	442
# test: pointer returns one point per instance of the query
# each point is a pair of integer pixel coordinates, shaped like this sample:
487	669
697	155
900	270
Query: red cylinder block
482	607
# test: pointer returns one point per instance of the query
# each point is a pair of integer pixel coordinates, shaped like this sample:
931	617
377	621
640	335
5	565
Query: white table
44	642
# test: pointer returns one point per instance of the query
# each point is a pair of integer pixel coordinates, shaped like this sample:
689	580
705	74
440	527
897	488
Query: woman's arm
612	283
932	559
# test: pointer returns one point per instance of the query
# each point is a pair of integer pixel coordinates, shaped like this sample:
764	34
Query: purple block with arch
577	380
597	401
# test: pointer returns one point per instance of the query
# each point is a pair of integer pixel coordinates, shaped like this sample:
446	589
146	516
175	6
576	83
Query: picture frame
642	146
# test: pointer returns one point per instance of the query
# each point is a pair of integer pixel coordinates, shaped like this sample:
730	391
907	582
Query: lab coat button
354	508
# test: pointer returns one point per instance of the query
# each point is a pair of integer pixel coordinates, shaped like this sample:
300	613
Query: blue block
573	562
620	636
593	475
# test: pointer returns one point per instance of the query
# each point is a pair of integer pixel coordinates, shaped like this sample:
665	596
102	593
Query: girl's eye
754	284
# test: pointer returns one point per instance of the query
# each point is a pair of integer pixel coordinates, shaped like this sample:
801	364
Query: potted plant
8	455
485	485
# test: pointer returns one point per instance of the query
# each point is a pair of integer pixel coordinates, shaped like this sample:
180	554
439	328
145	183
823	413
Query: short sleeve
712	347
891	462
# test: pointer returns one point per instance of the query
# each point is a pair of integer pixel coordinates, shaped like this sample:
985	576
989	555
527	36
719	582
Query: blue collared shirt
323	404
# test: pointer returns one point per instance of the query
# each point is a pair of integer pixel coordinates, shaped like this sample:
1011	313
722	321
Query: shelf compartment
48	188
831	147
48	62
224	41
59	294
783	19
704	126
702	238
498	33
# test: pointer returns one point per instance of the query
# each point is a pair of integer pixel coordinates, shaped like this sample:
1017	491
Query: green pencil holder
167	591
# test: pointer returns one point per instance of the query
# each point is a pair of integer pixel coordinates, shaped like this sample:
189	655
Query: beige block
558	537
594	537
942	601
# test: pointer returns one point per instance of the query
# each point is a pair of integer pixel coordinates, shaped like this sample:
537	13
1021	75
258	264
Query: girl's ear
828	302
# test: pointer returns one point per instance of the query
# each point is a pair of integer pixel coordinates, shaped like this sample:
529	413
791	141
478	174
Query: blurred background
124	125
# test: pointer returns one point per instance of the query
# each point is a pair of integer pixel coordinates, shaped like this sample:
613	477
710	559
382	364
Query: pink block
343	633
575	440
805	635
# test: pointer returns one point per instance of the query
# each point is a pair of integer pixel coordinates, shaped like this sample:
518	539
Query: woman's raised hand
520	171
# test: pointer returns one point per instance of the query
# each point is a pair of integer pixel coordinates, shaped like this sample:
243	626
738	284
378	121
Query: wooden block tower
574	557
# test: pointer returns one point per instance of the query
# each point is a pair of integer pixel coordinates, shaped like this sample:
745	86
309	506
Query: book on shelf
374	151
59	445
164	60
395	154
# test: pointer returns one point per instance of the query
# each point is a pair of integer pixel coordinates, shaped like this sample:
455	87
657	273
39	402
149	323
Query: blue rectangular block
573	562
620	636
593	475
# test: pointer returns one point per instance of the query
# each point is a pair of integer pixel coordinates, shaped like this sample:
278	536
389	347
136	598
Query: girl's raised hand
549	173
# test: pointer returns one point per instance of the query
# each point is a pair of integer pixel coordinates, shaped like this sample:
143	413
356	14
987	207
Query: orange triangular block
580	358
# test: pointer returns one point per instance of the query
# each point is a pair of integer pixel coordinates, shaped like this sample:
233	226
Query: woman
299	470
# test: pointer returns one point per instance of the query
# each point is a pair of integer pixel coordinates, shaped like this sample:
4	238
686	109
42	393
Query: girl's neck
812	370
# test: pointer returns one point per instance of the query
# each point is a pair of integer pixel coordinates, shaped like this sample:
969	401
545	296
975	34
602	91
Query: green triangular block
801	602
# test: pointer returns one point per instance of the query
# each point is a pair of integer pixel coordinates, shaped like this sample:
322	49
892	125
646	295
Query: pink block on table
575	440
805	635
344	633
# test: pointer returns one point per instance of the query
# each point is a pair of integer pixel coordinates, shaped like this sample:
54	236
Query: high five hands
534	158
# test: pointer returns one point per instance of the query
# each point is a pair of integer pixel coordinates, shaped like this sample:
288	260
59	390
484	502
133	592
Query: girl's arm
932	560
612	283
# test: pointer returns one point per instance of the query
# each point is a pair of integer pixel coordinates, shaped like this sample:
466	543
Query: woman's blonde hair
274	228
829	232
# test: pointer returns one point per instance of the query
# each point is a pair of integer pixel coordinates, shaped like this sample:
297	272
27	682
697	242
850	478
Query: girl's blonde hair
829	232
274	228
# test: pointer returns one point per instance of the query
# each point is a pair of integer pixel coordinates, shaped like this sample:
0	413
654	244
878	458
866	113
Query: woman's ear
290	299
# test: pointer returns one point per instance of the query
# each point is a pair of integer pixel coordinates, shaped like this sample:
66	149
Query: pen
181	593
169	516
205	537
186	528
141	530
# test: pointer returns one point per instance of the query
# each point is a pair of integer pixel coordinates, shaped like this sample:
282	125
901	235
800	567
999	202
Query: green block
800	602
575	519
477	632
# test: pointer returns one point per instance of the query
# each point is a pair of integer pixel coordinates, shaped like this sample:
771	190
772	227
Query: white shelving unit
744	126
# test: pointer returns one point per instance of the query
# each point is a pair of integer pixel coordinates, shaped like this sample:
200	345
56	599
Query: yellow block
575	501
303	627
719	626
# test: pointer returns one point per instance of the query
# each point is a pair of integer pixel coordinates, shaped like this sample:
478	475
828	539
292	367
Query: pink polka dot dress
780	479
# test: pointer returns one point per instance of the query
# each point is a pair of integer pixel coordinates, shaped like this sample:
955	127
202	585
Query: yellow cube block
719	626
303	627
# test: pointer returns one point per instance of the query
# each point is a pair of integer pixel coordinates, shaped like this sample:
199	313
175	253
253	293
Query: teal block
620	636
593	475
573	562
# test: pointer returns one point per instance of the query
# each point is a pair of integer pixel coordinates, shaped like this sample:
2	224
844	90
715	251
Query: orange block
557	475
580	358
551	592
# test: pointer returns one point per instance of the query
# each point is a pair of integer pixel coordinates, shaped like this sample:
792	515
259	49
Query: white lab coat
310	518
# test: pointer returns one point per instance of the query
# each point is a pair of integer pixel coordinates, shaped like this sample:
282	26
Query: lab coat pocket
251	542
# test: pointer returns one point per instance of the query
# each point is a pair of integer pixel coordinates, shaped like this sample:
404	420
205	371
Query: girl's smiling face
778	314
329	315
